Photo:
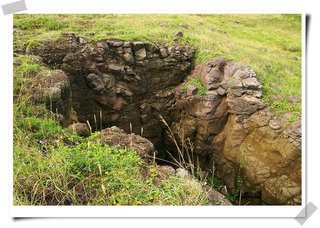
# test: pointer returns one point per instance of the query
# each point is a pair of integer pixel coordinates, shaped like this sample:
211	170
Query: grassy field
269	44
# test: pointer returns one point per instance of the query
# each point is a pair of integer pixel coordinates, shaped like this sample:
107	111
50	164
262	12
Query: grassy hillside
61	174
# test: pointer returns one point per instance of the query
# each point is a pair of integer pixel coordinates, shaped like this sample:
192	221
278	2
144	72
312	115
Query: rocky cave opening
138	87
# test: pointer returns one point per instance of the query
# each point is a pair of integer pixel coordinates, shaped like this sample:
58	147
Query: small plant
182	150
242	177
197	83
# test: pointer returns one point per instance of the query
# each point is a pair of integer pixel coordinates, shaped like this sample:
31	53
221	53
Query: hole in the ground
214	122
136	86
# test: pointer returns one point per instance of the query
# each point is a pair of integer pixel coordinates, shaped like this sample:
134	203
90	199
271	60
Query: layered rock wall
121	83
235	137
136	86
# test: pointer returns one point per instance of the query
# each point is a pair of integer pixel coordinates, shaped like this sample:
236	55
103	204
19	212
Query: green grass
88	173
71	170
94	174
197	83
273	52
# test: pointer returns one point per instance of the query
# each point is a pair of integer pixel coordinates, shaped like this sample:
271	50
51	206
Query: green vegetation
241	179
92	174
197	83
273	52
71	170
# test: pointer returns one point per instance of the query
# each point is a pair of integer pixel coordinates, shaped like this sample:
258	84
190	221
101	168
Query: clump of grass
197	83
26	66
31	44
184	157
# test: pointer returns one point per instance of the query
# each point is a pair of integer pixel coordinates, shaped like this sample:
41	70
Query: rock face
233	134
136	86
265	155
121	83
232	89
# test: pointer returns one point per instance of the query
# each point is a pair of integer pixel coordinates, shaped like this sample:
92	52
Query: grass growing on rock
197	83
273	52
